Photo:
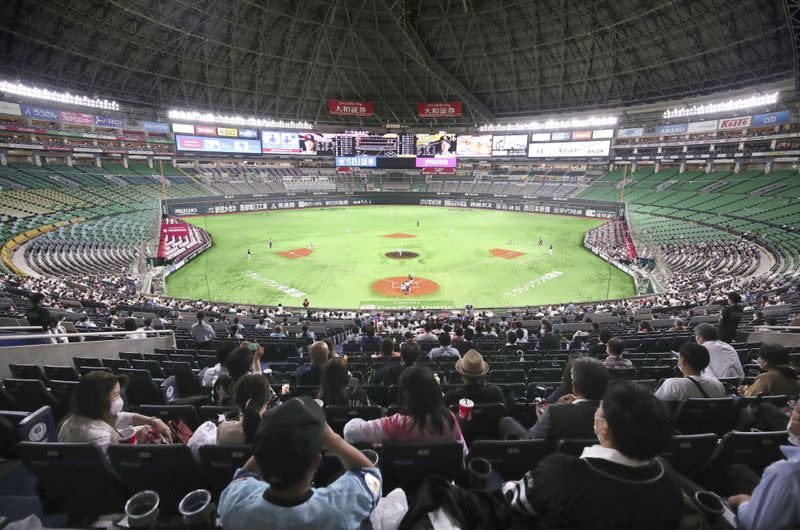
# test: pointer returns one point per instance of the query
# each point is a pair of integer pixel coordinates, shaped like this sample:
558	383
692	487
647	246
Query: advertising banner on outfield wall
630	133
10	109
771	118
673	129
702	126
156	126
79	118
734	123
108	121
450	109
350	108
40	113
222	204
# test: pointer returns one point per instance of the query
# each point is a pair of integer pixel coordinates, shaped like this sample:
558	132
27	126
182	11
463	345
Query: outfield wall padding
227	204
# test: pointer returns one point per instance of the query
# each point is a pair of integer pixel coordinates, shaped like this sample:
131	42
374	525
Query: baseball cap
288	439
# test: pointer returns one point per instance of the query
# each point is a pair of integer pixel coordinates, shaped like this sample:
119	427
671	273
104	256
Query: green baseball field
362	257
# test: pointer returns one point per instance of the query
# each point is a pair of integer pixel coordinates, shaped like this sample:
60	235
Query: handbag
180	431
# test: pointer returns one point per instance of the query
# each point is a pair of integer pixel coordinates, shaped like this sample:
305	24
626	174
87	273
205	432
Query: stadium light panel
756	100
222	119
25	91
571	123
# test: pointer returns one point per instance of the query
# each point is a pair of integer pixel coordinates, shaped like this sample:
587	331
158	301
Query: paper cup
127	435
465	407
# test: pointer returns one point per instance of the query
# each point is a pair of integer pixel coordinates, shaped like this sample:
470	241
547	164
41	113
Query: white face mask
793	438
116	406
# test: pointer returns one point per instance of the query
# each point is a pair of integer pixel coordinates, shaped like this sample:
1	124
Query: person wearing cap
473	370
273	489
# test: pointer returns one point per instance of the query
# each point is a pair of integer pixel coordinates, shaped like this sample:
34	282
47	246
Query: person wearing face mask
547	341
779	376
692	360
97	415
775	502
617	484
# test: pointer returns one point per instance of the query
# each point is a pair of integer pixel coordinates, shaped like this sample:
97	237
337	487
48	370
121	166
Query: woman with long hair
422	416
251	395
337	387
97	416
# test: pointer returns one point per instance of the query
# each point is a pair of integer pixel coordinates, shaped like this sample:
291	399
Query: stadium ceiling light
25	91
756	100
221	119
572	123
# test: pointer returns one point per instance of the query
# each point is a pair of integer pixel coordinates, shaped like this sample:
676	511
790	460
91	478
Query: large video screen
471	145
569	149
317	144
436	145
510	145
207	144
381	145
280	142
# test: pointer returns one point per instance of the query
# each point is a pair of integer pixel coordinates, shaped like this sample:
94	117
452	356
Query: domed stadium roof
501	59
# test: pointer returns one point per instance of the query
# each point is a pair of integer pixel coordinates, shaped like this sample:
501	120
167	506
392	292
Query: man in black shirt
389	374
473	370
36	314
466	344
731	317
547	341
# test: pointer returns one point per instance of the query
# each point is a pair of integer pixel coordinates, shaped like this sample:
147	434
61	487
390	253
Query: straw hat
472	364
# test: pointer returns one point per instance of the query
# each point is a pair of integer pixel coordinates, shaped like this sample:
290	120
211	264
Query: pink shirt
399	428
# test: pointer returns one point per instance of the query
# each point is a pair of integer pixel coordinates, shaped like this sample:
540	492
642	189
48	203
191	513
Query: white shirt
680	388
79	429
724	360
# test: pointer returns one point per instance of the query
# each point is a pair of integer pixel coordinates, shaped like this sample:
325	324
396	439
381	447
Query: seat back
142	390
116	364
74	478
574	446
167	413
169	470
37	426
220	462
62	391
154	367
507	376
697	416
61	373
756	450
86	361
405	465
482	424
188	383
29	394
338	416
689	454
27	371
511	458
129	356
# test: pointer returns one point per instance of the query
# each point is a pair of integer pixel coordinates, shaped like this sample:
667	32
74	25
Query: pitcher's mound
296	253
391	287
399	235
506	254
401	255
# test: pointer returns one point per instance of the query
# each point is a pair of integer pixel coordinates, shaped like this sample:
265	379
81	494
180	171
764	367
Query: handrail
155	332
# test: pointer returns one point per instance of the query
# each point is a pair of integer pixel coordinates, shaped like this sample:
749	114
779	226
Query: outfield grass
348	256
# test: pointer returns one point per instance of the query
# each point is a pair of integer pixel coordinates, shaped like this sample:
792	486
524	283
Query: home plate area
506	254
296	253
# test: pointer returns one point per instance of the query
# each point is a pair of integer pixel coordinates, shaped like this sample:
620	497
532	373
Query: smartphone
252	346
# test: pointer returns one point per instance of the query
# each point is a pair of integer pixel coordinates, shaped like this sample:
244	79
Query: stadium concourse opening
393	286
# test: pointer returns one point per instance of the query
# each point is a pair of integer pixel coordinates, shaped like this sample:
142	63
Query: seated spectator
337	387
261	325
566	383
600	350
614	349
353	336
36	314
422	416
521	339
444	350
473	370
389	373
693	358
387	350
235	333
547	340
202	332
645	327
251	395
96	414
311	374
278	333
219	369
58	332
427	335
273	489
775	502
572	416
677	325
306	334
566	491
767	327
518	325
779	376
243	361
458	336
724	359
368	337
463	346
511	343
